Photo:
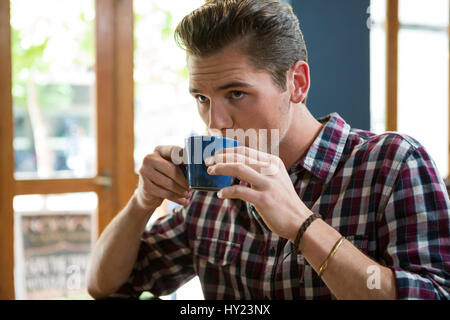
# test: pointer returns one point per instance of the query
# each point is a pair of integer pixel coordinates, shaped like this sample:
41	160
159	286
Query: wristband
302	230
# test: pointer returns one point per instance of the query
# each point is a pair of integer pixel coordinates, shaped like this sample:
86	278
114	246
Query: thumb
174	154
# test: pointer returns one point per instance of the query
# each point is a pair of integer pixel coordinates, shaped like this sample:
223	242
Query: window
423	76
65	137
421	65
53	88
53	91
165	112
54	235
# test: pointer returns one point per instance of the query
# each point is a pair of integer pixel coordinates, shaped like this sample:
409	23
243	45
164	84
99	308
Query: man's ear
299	81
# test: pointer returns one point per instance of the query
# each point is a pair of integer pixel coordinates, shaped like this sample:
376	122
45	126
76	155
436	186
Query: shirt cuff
411	286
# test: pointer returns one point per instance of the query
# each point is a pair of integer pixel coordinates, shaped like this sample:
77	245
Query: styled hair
268	31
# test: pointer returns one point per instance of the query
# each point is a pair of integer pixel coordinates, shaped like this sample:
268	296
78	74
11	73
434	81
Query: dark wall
337	39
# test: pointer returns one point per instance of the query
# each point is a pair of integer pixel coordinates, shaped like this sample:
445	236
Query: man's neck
302	132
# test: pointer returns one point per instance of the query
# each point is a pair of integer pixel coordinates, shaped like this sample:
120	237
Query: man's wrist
318	240
303	229
137	206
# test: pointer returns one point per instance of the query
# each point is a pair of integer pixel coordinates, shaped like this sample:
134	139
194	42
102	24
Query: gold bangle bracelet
332	252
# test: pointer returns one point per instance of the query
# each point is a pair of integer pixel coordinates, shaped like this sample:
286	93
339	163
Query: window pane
52	244
432	12
377	79
378	11
423	91
53	88
165	112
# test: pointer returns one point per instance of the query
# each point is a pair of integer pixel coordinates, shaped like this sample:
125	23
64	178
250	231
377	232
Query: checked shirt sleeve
164	261
414	232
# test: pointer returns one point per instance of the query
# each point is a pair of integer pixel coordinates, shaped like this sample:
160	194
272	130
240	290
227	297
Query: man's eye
237	95
202	99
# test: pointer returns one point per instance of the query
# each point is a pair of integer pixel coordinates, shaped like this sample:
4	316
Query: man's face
232	94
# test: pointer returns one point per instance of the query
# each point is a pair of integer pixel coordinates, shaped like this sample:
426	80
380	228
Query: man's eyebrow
234	84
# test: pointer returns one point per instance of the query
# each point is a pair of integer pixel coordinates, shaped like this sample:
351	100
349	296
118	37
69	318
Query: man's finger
167	151
258	166
170	170
247	152
156	191
164	182
238	192
239	170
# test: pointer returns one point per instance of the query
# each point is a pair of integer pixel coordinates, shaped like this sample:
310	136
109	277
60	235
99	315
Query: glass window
53	88
423	91
431	13
422	74
377	11
377	66
52	244
165	112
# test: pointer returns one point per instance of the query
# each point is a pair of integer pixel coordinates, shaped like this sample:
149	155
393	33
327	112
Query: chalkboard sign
52	252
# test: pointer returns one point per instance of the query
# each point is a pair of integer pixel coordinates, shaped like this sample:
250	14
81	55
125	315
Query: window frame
392	28
114	44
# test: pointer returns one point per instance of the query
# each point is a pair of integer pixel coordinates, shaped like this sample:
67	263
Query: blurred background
89	87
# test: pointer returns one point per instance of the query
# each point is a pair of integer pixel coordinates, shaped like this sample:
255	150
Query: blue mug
199	148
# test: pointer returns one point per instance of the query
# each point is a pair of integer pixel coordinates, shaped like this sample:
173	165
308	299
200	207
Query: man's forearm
116	250
347	272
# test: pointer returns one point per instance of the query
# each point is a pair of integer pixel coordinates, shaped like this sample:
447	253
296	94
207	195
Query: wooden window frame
392	29
6	158
115	128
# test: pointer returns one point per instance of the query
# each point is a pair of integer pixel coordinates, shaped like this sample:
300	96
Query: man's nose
219	118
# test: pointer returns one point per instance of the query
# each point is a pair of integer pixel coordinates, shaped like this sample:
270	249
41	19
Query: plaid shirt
383	192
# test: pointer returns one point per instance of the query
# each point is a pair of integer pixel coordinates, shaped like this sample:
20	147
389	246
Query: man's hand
161	179
271	191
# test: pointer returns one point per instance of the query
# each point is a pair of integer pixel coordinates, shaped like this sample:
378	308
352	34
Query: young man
343	213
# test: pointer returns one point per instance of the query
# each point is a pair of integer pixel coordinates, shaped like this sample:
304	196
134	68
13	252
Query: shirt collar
324	154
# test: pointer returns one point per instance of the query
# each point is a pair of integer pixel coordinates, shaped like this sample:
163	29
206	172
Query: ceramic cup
199	148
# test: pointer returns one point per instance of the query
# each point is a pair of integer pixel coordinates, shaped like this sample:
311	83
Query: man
343	213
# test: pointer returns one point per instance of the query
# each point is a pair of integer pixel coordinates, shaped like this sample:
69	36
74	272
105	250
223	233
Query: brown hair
268	29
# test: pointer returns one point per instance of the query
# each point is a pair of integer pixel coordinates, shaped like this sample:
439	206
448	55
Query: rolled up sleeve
414	230
164	261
